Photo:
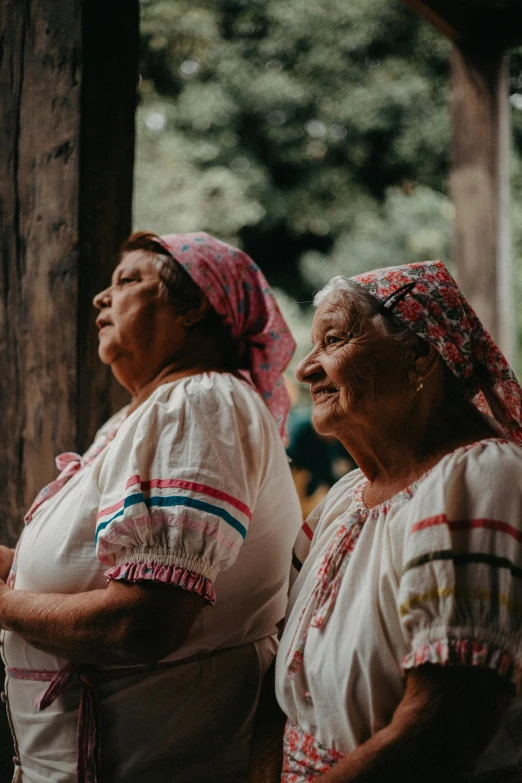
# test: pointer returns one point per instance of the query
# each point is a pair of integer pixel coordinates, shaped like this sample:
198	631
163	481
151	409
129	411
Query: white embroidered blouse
432	575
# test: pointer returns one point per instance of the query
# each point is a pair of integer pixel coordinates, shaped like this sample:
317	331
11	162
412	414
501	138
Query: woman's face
137	326
355	374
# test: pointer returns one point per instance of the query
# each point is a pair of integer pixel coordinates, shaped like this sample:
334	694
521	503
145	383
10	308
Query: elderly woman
402	652
184	500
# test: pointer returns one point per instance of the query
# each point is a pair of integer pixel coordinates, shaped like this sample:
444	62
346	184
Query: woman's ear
195	314
426	359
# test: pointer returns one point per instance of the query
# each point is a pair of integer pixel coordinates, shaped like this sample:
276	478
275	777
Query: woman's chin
105	354
322	422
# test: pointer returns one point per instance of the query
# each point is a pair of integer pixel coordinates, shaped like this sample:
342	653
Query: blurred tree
314	135
289	121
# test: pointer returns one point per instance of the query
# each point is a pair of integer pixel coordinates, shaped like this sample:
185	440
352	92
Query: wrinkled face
354	372
135	322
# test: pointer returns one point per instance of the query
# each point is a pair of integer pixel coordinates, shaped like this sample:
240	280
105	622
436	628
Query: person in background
317	461
401	658
141	609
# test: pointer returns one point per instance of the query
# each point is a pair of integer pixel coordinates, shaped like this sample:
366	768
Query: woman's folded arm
444	722
121	624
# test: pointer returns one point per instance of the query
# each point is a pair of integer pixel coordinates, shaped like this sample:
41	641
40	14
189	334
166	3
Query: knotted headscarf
239	293
425	298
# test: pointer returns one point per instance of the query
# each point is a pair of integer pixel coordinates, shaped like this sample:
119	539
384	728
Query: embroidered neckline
408	491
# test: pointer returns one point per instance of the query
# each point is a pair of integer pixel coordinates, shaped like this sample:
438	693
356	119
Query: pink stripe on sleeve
109	509
192	486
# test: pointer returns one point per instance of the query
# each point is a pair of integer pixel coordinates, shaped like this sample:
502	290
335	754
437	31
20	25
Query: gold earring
420	384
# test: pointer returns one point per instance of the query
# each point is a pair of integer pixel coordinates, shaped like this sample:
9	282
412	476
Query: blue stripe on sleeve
175	500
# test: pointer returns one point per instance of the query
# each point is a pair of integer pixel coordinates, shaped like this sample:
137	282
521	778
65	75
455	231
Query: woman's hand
446	719
6	561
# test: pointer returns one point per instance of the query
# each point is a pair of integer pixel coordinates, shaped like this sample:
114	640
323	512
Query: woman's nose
308	368
103	299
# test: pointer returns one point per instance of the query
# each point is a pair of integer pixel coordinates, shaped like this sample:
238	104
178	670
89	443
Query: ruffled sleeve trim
168	574
467	652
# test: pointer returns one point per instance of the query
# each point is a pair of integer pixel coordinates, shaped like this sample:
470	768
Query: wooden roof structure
482	31
490	22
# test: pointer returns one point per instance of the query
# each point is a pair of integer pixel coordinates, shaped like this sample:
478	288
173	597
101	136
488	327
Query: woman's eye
124	280
331	339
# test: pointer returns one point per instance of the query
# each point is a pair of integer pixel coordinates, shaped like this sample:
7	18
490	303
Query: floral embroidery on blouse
304	757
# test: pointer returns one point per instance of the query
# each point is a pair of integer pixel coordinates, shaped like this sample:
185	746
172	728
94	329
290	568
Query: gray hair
366	306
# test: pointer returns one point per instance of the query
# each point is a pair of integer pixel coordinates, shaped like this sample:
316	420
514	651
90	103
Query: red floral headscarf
425	298
239	293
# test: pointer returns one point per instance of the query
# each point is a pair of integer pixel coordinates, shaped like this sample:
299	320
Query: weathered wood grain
13	23
67	102
39	123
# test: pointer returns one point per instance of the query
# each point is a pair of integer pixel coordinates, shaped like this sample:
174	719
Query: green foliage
315	135
281	126
407	228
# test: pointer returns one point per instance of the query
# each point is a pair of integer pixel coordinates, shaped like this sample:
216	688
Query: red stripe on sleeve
192	486
469	524
307	530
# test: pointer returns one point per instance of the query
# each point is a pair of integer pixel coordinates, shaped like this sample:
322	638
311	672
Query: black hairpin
396	297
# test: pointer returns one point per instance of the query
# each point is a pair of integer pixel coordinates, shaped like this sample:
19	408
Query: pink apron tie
88	758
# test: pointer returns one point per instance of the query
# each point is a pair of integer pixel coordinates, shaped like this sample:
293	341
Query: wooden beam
39	146
434	18
67	100
490	23
67	95
39	150
480	187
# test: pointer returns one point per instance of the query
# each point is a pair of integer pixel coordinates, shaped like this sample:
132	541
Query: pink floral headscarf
239	293
425	298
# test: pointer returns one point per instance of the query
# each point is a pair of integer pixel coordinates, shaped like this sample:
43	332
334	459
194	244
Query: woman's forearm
83	626
446	718
122	624
390	756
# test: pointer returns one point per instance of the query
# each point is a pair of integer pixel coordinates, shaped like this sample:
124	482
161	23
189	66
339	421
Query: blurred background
316	136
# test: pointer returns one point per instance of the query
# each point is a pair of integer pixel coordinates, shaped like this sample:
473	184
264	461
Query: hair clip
395	297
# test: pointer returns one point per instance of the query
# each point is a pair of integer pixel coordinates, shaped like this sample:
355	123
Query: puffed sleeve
180	486
460	593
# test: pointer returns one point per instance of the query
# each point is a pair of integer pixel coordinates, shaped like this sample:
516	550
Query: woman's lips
323	392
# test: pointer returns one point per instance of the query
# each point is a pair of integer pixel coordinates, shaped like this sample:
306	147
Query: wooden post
39	197
480	186
68	71
68	74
